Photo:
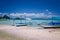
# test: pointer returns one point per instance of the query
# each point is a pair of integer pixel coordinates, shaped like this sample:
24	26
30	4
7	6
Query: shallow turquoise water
28	22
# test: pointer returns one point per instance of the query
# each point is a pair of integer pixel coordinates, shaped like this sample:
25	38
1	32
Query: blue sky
29	6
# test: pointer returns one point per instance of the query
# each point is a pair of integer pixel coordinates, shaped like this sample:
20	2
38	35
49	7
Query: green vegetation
5	17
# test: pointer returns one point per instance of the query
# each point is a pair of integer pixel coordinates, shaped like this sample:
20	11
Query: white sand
29	33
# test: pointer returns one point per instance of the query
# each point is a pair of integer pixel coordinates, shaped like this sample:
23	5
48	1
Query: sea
28	22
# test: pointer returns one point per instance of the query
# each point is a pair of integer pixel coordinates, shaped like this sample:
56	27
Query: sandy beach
8	32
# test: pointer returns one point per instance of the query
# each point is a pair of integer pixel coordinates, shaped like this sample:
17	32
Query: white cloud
46	10
17	14
49	16
41	15
50	13
29	19
0	13
33	15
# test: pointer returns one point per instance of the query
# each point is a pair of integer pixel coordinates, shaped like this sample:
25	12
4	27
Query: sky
29	6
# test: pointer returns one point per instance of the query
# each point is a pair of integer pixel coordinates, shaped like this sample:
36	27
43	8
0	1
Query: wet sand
8	32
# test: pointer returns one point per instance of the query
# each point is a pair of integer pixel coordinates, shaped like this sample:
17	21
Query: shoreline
31	33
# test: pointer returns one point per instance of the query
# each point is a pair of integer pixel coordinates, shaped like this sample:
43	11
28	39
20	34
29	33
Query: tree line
5	17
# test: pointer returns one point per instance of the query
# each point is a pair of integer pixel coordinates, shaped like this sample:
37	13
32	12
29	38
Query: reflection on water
29	23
